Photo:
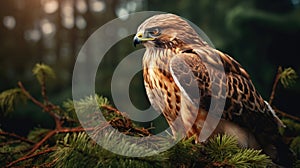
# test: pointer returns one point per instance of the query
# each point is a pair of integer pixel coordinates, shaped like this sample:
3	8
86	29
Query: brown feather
168	84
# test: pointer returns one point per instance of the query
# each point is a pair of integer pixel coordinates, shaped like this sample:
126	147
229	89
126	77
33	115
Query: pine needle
248	158
43	72
9	98
221	147
288	77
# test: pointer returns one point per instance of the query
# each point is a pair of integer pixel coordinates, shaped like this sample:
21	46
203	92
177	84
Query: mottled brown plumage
177	61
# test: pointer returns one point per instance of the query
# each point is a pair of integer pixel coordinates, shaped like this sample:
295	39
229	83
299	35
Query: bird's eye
155	31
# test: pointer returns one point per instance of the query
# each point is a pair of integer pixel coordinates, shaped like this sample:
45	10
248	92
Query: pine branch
10	143
127	124
9	98
47	108
223	151
43	88
56	131
277	78
35	101
42	71
220	151
283	114
31	156
15	136
40	143
287	78
248	158
110	108
221	147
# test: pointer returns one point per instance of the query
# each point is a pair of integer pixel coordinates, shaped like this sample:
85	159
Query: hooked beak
139	38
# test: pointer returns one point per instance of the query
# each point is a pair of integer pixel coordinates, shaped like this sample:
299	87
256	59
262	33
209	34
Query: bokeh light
97	5
47	27
50	6
9	22
32	35
81	6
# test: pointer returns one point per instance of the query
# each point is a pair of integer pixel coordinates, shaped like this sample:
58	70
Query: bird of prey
177	60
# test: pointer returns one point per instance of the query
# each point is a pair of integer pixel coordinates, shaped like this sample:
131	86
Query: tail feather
285	156
272	142
278	121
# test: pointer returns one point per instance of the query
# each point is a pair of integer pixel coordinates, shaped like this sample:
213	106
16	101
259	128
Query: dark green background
260	34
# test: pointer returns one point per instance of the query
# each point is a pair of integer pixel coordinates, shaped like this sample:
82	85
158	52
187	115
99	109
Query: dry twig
272	96
277	77
283	114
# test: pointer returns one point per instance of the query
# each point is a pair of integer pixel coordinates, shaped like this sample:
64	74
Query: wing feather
243	102
184	77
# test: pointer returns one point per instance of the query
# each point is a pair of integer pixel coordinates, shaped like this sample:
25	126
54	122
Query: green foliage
73	149
297	164
224	150
77	149
295	146
9	98
292	128
11	150
80	151
37	133
69	108
221	147
89	103
67	148
86	109
292	131
43	72
288	77
239	18
193	155
249	158
117	142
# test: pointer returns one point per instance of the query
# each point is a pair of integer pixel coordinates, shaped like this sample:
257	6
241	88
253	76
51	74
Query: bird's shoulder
218	59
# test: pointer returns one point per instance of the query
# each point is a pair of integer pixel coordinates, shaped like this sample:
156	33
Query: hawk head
166	31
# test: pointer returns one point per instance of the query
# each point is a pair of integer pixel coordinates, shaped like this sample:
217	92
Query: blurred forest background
260	34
